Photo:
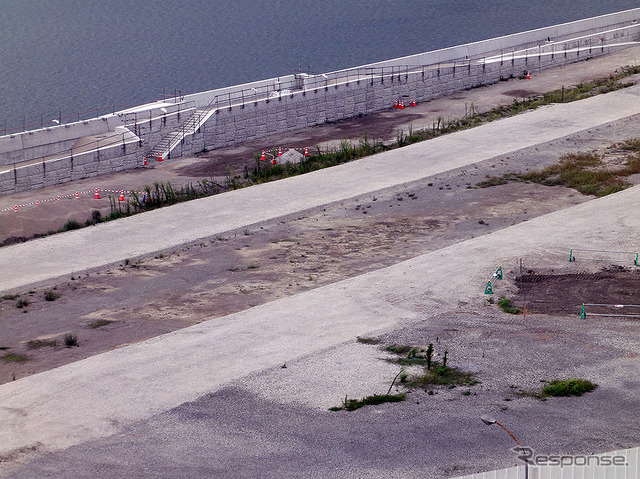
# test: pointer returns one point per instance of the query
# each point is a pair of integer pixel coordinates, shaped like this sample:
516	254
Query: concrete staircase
162	150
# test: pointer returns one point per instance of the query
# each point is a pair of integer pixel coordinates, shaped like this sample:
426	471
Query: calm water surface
60	57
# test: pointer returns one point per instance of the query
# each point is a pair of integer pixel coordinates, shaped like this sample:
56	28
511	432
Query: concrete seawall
232	115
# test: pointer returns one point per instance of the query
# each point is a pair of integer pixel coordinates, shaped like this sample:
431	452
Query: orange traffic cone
121	196
279	152
15	208
160	158
144	163
97	195
274	162
395	105
306	151
77	195
262	157
528	76
401	106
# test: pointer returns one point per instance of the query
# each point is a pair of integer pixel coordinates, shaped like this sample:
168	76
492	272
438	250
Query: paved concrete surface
58	255
109	393
106	394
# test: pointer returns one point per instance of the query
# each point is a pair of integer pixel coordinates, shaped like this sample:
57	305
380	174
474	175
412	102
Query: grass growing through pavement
443	376
436	373
561	388
568	387
353	404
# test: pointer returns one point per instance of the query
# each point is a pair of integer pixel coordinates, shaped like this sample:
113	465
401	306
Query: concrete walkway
55	256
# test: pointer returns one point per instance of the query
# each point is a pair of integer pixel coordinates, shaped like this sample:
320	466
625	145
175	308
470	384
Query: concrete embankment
228	116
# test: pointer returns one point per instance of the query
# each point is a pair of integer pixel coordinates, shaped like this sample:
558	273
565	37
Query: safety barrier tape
75	195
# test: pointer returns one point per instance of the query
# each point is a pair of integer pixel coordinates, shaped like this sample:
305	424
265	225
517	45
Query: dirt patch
140	299
521	93
376	126
564	294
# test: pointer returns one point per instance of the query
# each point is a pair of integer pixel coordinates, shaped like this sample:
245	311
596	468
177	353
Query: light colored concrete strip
97	396
62	254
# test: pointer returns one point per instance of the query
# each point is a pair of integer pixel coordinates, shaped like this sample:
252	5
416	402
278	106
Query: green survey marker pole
583	314
570	255
635	261
488	289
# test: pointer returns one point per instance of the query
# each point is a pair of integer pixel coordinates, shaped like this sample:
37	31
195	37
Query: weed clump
70	225
436	373
353	404
568	387
22	303
505	305
398	349
51	295
70	340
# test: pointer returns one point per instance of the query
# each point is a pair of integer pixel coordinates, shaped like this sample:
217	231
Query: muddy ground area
614	291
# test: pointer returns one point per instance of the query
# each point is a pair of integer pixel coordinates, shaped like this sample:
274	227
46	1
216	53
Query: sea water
66	59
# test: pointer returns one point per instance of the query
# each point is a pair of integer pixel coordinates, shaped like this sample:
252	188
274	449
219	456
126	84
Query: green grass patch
436	373
568	387
398	349
353	404
440	375
505	305
584	172
15	358
367	340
